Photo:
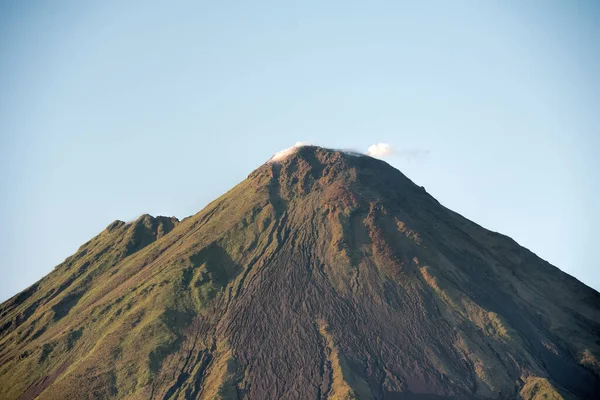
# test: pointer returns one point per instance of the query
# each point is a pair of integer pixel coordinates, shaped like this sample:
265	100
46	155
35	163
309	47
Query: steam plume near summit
380	150
280	155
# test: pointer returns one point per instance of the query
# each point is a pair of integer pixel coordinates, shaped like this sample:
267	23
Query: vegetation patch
344	383
537	388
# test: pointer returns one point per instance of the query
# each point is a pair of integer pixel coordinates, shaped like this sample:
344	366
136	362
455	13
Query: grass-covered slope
324	275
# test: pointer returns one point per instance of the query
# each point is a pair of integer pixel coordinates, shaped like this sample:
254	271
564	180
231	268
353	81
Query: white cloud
380	150
280	155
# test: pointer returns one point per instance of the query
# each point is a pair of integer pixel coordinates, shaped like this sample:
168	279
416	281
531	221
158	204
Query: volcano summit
324	275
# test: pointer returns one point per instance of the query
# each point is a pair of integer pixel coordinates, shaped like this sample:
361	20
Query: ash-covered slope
324	275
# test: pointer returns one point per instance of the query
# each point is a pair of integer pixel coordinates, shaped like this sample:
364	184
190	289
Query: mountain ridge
322	275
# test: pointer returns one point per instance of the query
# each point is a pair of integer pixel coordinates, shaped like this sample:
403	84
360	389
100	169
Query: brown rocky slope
325	275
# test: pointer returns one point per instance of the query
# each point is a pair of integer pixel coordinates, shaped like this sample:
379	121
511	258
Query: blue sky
113	109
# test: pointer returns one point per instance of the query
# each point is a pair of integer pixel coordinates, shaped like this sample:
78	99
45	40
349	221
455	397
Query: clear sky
111	109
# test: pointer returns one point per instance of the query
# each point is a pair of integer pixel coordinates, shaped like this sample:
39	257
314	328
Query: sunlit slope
322	275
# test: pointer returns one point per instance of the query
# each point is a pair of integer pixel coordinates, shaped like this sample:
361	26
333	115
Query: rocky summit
323	275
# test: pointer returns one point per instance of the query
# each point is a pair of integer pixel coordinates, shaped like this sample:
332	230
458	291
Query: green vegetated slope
323	276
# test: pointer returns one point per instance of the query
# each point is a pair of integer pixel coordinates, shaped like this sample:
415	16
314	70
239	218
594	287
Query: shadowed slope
322	275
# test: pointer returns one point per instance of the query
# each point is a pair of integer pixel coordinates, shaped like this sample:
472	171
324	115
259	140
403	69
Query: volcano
323	275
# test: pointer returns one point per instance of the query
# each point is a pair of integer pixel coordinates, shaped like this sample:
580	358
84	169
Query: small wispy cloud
384	150
280	155
380	150
412	154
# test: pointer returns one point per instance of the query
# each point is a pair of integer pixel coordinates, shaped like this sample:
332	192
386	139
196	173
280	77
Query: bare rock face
323	275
